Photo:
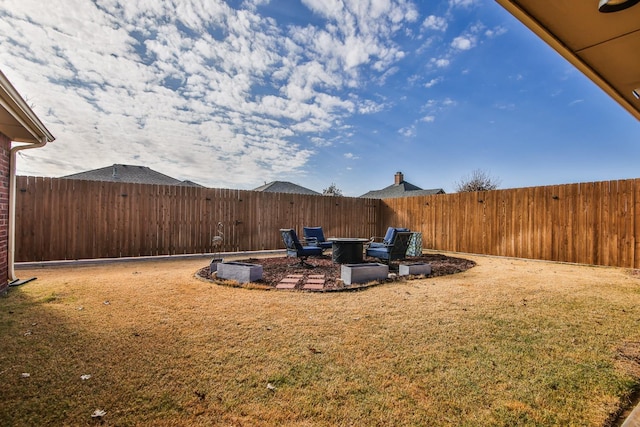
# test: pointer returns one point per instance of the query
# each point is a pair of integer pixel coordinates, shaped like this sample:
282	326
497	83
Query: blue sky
235	94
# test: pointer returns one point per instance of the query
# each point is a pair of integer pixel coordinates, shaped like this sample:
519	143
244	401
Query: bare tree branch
479	180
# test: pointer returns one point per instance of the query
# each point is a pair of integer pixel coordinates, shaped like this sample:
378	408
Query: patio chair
387	239
396	250
315	237
296	249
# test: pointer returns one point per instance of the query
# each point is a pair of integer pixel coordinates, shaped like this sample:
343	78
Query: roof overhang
603	46
17	120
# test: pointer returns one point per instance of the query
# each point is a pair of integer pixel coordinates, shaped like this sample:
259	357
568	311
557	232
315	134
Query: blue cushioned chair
387	239
315	237
396	250
296	249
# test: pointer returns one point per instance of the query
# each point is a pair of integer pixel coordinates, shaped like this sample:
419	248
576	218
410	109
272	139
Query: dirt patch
277	268
629	358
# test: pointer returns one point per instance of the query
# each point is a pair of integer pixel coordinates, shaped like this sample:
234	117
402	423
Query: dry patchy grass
509	342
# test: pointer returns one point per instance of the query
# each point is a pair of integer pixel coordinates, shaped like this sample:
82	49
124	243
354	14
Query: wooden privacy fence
71	219
588	223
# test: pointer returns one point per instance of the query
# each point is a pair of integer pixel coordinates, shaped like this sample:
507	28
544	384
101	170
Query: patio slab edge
633	420
99	261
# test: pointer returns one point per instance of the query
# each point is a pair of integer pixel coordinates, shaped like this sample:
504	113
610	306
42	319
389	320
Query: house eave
564	32
17	119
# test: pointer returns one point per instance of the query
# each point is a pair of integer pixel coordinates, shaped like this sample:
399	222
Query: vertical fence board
636	224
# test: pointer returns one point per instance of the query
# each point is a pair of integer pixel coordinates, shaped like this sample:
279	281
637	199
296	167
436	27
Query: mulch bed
277	268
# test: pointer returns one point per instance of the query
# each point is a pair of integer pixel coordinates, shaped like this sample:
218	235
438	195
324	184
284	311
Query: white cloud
463	43
387	74
408	132
463	3
440	62
433	107
448	102
321	142
495	32
357	34
431	83
370	107
435	23
431	103
328	8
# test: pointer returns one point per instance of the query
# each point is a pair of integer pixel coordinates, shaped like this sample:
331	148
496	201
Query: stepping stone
314	282
286	285
289	282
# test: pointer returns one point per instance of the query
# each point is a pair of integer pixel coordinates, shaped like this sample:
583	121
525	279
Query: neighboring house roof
285	187
130	174
401	188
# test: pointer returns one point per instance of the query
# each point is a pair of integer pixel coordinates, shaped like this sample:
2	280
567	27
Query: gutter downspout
12	204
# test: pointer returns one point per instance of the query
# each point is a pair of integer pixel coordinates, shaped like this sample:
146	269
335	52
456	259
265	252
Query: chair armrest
309	241
376	242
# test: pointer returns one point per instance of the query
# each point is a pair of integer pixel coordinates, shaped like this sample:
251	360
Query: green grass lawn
507	343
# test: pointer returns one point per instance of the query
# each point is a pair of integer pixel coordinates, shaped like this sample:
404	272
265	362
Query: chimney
399	178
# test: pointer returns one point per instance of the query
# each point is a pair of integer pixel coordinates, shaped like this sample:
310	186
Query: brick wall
5	148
